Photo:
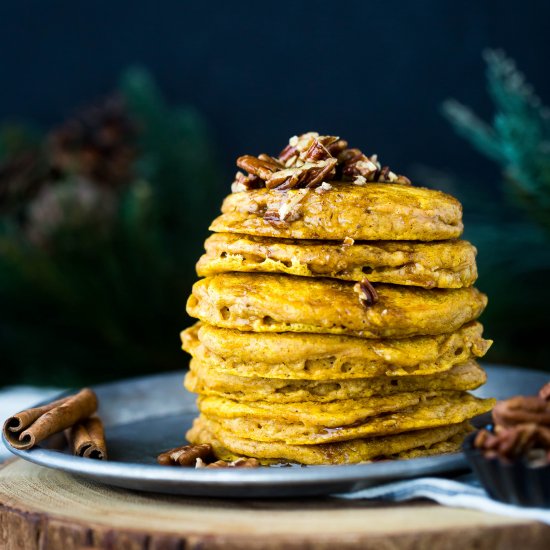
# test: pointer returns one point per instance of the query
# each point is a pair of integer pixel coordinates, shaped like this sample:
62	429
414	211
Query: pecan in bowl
511	457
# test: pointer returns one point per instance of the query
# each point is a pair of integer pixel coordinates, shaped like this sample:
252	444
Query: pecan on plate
239	463
186	455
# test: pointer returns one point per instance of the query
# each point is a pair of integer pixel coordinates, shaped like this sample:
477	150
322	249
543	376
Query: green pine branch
518	138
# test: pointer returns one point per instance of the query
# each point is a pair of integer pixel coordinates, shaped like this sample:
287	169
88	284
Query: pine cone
99	144
21	178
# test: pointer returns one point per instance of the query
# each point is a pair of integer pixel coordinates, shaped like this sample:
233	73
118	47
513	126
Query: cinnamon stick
31	426
87	439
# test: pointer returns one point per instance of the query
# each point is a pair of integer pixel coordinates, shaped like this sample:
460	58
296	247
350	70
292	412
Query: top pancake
376	211
262	302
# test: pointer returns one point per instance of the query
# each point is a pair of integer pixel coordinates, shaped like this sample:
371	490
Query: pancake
432	412
447	264
333	414
205	380
296	356
369	212
427	442
278	303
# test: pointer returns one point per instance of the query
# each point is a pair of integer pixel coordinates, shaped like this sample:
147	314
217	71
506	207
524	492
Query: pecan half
239	463
316	151
521	428
262	168
367	293
287	153
336	147
186	455
522	410
308	174
272	216
245	183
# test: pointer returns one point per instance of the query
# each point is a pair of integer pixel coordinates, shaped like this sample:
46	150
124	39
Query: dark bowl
514	483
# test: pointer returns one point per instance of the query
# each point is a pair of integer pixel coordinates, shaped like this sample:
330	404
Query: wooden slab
45	509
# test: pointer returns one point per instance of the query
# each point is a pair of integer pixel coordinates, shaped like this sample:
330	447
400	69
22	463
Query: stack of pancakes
337	321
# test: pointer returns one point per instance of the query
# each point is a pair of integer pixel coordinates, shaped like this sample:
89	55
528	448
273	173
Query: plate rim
119	472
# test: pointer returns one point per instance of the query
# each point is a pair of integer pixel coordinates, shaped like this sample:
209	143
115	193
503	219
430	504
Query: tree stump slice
44	509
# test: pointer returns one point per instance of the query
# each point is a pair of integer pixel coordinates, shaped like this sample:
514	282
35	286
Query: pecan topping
316	151
239	463
261	167
245	183
521	428
367	293
273	217
309	160
323	188
187	455
348	241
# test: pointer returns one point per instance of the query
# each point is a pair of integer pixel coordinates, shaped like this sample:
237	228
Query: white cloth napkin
466	493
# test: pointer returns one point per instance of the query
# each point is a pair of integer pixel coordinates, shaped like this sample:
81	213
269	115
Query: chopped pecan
287	153
272	216
308	174
309	160
239	463
336	146
348	241
245	183
316	177
271	161
258	167
186	455
383	174
367	293
403	180
323	188
316	151
286	208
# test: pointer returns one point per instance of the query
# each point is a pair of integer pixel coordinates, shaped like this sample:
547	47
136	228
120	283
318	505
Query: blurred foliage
511	226
101	222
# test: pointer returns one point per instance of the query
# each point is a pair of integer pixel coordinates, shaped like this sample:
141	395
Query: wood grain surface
45	509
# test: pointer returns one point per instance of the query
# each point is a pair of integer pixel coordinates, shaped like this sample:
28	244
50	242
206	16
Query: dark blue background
373	72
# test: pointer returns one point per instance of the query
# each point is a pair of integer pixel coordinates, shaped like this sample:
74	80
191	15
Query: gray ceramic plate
145	416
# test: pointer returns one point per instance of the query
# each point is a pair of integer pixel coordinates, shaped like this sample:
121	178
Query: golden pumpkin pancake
296	356
205	380
427	442
263	302
369	212
446	264
432	412
332	414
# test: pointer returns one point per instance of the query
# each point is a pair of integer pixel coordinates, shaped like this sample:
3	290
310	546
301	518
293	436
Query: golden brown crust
226	445
432	412
371	212
447	264
303	356
206	380
280	303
